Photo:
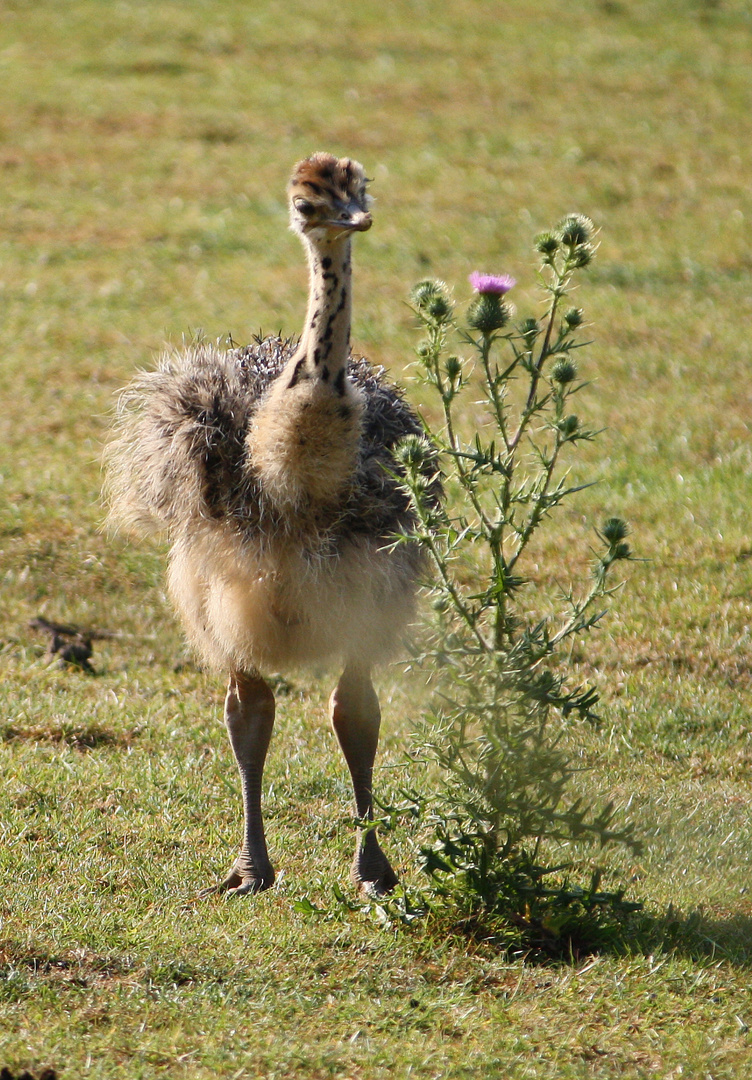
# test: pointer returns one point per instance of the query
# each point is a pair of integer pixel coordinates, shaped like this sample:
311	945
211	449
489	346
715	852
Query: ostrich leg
249	716
356	719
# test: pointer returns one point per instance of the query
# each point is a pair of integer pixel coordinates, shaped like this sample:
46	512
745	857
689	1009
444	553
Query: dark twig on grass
67	630
69	645
45	1074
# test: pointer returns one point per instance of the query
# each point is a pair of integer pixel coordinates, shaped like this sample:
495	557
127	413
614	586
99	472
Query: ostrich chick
269	467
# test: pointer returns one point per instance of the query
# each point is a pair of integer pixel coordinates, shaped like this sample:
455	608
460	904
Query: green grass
144	150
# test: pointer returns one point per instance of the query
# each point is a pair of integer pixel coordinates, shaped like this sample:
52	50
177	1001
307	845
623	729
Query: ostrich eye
304	207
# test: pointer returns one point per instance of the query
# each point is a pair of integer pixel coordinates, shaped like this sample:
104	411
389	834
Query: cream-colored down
279	609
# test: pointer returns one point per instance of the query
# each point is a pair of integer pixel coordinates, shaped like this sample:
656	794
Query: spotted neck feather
325	342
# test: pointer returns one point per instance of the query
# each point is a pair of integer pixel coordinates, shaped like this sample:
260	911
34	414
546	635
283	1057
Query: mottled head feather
325	174
323	189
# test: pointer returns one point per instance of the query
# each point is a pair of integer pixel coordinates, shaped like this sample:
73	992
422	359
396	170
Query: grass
144	150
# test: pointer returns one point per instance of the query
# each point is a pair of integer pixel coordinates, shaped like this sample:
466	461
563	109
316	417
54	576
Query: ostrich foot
371	871
243	880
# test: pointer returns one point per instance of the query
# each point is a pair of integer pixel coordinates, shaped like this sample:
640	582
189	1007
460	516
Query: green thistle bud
614	530
439	308
413	452
546	243
564	371
575	230
488	313
582	255
569	426
424	349
529	330
427	291
573	318
453	367
440	604
622	551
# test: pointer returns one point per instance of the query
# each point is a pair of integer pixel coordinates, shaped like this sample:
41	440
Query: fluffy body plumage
268	581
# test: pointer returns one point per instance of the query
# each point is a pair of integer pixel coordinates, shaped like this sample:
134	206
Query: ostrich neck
325	343
304	438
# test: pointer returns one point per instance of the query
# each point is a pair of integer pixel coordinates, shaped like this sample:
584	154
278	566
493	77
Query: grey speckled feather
181	447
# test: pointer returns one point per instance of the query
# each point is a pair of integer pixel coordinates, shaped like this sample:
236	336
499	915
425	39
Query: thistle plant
499	667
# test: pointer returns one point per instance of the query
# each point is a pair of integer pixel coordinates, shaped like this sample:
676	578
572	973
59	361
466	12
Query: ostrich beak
358	221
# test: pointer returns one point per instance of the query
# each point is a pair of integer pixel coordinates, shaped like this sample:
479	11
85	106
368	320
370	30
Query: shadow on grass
543	925
173	68
45	1074
697	936
81	737
637	933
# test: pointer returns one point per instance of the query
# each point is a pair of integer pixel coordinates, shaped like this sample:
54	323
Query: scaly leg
249	716
356	719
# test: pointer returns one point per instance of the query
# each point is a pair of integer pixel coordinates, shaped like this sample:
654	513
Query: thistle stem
557	290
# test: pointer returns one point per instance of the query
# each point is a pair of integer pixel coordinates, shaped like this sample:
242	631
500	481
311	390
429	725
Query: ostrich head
328	199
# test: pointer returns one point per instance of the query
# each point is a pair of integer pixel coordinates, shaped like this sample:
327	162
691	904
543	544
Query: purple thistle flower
496	284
